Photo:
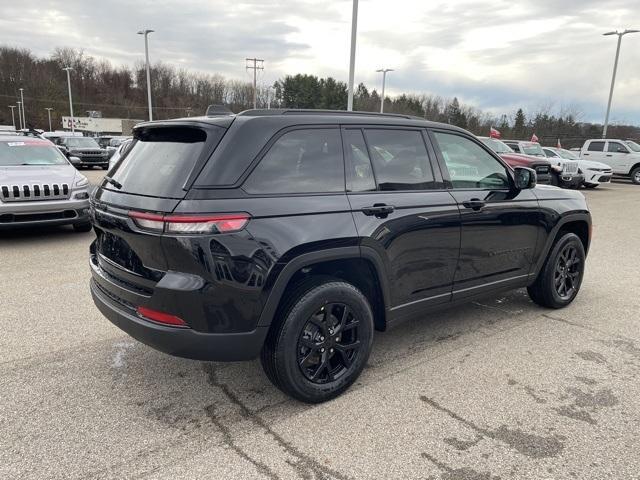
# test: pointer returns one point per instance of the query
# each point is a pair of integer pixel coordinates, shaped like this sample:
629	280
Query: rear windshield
161	159
30	153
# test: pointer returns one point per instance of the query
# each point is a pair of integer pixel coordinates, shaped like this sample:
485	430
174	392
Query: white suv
594	173
622	155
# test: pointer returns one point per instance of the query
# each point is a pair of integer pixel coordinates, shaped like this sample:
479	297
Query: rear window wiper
113	182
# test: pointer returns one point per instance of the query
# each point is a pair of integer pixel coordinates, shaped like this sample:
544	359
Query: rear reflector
160	317
189	224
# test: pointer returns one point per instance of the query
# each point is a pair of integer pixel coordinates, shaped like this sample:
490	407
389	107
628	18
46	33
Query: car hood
590	164
523	160
37	174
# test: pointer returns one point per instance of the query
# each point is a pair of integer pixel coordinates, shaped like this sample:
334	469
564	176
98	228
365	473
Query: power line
255	67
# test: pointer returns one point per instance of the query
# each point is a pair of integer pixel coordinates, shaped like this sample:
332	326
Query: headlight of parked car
81	181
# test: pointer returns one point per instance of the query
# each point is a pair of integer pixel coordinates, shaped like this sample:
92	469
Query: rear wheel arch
346	264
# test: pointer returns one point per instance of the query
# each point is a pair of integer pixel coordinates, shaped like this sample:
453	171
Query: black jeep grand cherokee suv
292	235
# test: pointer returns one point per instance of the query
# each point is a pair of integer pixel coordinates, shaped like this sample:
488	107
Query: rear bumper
178	341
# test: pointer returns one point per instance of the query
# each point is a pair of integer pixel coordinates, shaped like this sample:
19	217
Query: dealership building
101	126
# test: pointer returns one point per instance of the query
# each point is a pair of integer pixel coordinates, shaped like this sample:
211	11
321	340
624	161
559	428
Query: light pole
384	80
146	33
19	113
48	109
352	60
69	69
24	117
13	118
613	78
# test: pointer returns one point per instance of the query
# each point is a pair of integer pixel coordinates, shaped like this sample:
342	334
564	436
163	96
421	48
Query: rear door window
596	147
300	161
161	159
359	172
400	159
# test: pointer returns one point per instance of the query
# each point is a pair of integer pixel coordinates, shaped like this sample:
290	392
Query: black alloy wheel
559	280
328	343
568	272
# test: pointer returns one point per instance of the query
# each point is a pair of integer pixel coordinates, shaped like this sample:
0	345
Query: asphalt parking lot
495	389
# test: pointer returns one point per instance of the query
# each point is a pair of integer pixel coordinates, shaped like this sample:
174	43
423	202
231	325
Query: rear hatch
149	181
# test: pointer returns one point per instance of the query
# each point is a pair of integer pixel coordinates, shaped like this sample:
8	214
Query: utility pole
48	109
258	64
352	60
13	118
384	80
20	113
68	69
24	117
146	33
613	78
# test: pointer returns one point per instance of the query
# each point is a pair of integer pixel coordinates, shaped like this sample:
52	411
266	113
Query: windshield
567	155
29	153
633	145
84	142
496	145
532	149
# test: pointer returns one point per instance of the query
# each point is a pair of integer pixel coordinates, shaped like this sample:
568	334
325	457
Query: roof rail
304	111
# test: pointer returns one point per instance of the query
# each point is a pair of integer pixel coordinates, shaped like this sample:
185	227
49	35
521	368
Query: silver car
39	186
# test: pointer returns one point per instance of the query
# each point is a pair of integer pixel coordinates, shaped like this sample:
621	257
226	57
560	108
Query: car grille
542	169
570	168
463	171
96	153
25	193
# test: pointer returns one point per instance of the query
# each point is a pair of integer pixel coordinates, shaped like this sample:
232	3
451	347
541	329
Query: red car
543	169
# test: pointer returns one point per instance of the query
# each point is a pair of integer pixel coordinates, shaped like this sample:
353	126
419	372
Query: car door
617	157
403	214
500	224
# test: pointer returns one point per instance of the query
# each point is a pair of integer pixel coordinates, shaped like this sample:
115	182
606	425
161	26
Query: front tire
559	281
635	175
322	343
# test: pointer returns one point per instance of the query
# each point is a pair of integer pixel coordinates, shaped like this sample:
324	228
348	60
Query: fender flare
307	259
551	237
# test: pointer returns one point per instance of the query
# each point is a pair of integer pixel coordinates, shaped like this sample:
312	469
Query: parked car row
594	164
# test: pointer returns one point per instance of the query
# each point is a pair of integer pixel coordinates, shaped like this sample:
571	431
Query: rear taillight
190	224
160	317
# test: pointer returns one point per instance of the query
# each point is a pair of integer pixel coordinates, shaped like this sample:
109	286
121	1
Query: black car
84	152
293	235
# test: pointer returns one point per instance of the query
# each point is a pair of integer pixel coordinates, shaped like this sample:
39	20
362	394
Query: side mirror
63	149
75	160
524	178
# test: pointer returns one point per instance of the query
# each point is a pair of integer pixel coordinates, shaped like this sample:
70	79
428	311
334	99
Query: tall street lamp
384	80
620	34
352	60
24	117
48	109
146	33
13	118
69	69
19	103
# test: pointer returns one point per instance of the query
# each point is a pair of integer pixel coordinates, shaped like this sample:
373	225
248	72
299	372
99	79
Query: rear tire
82	227
635	175
322	342
559	281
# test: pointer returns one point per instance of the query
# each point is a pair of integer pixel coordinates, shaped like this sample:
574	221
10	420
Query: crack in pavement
304	464
464	473
531	445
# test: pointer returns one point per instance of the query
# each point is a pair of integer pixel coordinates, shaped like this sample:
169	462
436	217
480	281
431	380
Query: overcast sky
497	55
